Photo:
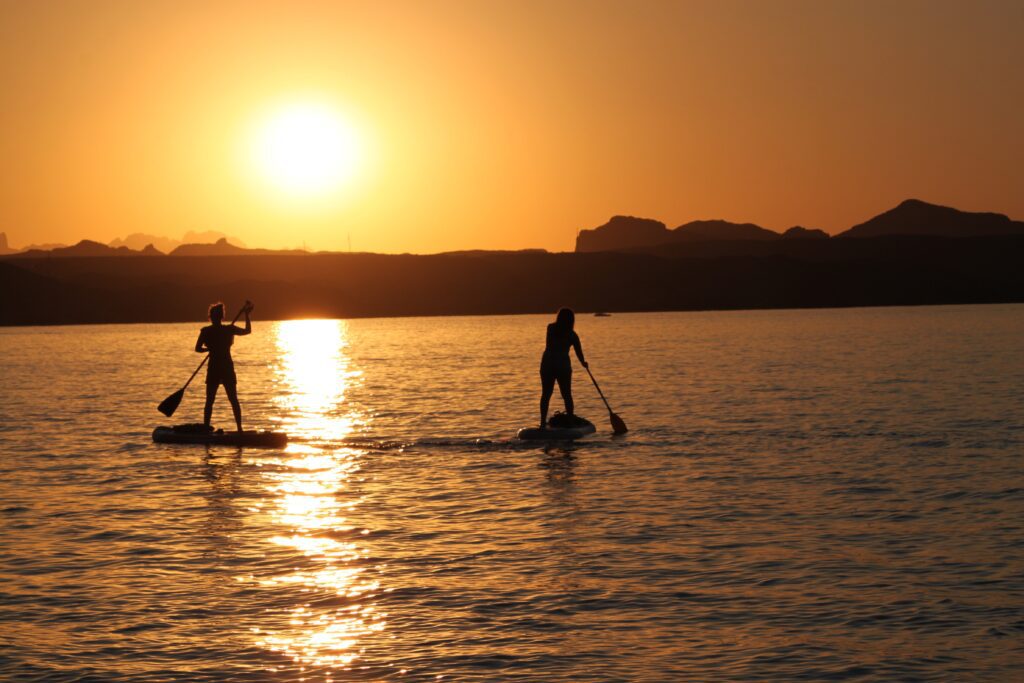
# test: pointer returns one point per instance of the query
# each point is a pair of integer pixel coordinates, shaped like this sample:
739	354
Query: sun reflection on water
315	373
311	501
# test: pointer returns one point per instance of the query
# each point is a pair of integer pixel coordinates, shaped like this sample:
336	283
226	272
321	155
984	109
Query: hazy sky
504	124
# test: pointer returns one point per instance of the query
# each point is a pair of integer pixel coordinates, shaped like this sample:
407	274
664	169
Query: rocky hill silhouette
629	232
915	217
782	273
219	248
85	248
224	248
800	233
6	249
709	265
623	231
91	248
911	217
139	240
703	231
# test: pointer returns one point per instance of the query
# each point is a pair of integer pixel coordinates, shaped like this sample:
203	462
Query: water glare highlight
314	373
310	504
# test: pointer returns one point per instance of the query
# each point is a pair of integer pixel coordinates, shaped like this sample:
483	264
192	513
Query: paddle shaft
207	356
597	386
618	424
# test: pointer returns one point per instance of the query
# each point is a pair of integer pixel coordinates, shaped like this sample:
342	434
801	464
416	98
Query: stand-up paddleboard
201	434
561	427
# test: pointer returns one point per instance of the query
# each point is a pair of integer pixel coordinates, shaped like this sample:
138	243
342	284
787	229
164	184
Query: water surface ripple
804	495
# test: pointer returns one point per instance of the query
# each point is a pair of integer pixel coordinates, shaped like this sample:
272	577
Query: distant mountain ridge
801	233
86	248
7	250
703	231
915	217
137	243
224	248
91	248
139	240
630	232
742	274
909	218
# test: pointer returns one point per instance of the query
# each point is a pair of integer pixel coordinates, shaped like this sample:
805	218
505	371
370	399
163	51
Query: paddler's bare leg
230	390
547	387
211	394
565	388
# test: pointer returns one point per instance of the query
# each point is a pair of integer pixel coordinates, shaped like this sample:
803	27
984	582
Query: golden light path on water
315	373
311	501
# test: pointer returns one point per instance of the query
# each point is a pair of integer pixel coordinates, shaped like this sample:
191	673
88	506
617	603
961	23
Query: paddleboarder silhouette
216	339
555	365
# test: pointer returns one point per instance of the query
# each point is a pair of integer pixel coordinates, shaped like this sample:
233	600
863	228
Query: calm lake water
804	495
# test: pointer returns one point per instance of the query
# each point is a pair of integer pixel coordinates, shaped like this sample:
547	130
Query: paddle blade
618	426
170	404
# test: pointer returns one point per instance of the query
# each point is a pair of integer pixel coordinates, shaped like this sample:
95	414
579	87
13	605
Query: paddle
618	426
170	404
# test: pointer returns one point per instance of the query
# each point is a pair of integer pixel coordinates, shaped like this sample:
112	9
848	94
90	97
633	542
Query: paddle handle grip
241	310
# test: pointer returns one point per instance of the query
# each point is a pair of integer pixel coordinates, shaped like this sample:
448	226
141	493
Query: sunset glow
306	149
585	340
428	127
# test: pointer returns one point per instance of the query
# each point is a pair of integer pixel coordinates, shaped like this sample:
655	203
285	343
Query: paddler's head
216	313
565	319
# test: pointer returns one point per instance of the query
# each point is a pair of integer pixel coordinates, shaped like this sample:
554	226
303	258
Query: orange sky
505	124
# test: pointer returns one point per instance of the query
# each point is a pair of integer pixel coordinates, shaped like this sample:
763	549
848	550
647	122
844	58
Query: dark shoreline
791	274
257	319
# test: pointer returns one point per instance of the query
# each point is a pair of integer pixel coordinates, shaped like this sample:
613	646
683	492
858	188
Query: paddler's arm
578	347
201	344
248	323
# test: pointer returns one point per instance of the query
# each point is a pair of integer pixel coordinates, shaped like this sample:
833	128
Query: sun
306	149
